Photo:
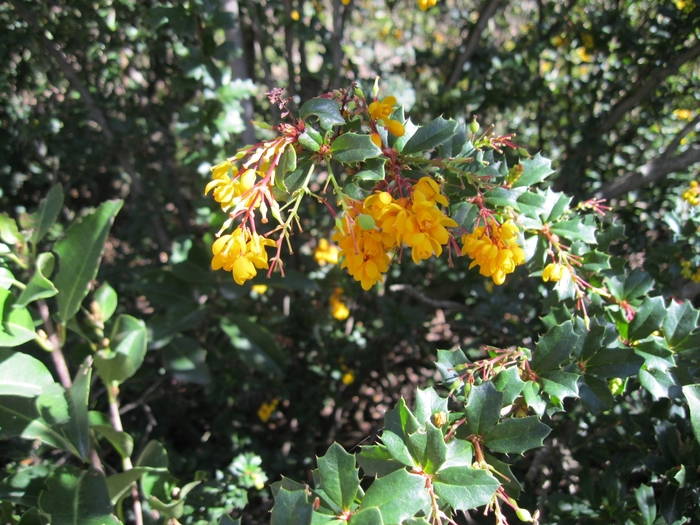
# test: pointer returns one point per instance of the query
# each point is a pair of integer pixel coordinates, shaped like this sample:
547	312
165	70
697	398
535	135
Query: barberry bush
377	308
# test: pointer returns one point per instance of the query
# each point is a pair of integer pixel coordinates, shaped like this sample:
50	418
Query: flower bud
474	126
365	221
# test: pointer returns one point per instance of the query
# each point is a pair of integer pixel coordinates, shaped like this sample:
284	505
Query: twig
59	360
435	303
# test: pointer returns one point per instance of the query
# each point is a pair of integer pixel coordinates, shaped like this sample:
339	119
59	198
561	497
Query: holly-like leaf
559	384
446	363
339	477
483	408
554	347
77	497
17	326
630	287
430	136
48	211
377	461
401	421
459	454
22	374
429	403
533	398
502	197
647	319
508	381
614	362
429	448
398	448
327	111
575	230
516	435
535	170
655	355
507	478
659	383
256	346
79	256
692	396
367	516
594	394
351	147
128	344
39	286
595	261
464	214
373	170
681	319
399	496
465	488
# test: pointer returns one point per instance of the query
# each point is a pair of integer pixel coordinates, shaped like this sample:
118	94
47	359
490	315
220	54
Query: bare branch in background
239	69
259	41
471	43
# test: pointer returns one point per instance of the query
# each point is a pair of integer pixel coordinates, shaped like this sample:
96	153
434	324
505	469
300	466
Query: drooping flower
339	309
242	253
381	110
231	191
494	249
554	272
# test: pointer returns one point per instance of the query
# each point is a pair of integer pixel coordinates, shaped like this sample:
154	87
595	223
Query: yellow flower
346	2
685	5
426	4
326	253
259	288
266	410
339	309
381	110
554	272
348	378
376	139
683	114
395	128
692	194
242	253
583	54
295	15
494	249
229	191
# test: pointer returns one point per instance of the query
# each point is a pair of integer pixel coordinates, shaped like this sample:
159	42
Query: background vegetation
136	100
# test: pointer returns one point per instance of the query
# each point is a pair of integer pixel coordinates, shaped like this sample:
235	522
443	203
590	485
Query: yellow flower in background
692	194
685	5
494	249
326	253
295	15
346	2
554	272
348	378
339	309
426	4
259	289
683	114
583	54
266	410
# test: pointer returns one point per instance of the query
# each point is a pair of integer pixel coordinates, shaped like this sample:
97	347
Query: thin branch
59	359
650	172
471	43
434	303
289	49
259	41
643	87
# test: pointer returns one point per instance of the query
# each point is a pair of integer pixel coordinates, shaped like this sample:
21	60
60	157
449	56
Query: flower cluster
692	194
495	249
688	272
382	111
426	4
339	309
266	410
231	187
382	223
242	253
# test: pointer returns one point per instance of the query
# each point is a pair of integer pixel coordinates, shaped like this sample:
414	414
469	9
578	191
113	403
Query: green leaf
595	394
377	461
128	344
483	409
185	359
291	507
429	449
33	517
106	299
20	417
368	516
465	488
503	197
354	191
464	214
655	355
22	375
508	381
122	442
614	362
9	233
48	211
373	170
153	455
595	261
79	256
646	503
77	497
516	435
351	147
430	136
630	287
256	347
39	286
53	405
78	396
559	384
429	403
182	315
574	230
399	495
287	164
692	396
647	319
7	279
327	111
17	326
554	347
401	421
447	361
507	478
397	448
535	170
533	398
339	476
24	486
658	383
679	322
119	484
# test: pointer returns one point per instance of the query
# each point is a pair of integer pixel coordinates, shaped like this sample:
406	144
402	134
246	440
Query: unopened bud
523	152
474	126
375	89
365	221
261	125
